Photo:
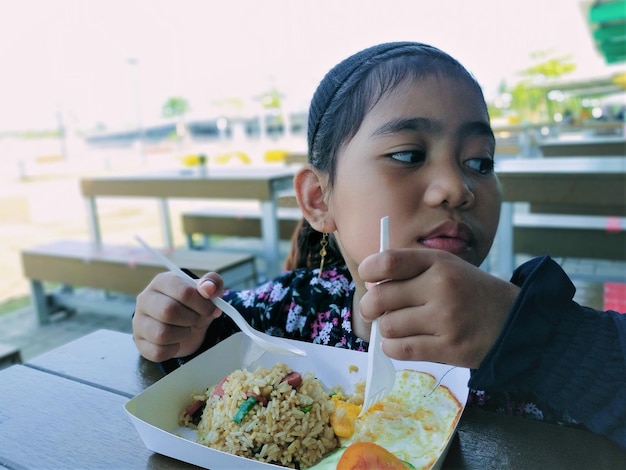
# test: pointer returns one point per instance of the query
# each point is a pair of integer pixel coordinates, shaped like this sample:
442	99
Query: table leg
92	221
40	302
166	226
505	256
269	229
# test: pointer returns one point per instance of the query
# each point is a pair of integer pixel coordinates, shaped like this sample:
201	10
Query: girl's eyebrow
408	124
476	128
420	124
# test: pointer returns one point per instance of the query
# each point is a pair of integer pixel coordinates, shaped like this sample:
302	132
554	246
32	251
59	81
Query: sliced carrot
366	456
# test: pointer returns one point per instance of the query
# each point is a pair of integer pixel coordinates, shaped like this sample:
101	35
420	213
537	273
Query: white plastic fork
265	341
381	373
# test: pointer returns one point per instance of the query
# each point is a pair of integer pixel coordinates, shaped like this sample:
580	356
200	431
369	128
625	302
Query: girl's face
424	157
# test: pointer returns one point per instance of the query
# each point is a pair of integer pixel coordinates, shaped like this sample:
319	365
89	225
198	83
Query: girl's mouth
453	245
450	236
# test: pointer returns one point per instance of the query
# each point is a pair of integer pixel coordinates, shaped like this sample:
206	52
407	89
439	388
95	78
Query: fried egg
414	422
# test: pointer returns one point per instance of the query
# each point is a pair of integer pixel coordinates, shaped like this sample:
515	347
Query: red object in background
613	224
615	296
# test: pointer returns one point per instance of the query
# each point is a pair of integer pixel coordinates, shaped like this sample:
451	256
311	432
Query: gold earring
323	243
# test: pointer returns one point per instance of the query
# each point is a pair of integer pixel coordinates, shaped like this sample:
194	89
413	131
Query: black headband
337	77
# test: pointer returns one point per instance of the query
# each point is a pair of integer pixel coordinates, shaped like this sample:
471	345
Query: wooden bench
115	268
234	222
591	147
9	355
590	245
555	187
570	236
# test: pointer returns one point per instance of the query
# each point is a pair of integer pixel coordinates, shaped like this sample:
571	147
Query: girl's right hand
436	307
171	316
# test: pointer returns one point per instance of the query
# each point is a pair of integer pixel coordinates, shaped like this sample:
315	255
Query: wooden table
588	147
258	184
64	409
577	185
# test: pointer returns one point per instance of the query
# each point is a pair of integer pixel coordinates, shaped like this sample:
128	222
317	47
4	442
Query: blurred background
93	87
90	72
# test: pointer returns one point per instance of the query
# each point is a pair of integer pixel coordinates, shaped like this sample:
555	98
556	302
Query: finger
157	332
430	348
166	340
156	353
396	264
176	301
427	334
169	310
415	348
411	321
210	285
154	341
390	296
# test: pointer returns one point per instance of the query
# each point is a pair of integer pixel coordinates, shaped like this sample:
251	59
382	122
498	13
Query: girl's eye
409	156
484	166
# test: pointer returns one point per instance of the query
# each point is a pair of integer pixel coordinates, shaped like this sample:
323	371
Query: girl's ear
310	187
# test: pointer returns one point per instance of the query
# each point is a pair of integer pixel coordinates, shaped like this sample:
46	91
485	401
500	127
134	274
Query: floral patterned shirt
303	305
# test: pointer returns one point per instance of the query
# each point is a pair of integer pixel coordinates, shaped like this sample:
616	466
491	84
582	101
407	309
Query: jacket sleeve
571	357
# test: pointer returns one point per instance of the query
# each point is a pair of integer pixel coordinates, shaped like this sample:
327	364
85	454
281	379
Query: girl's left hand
434	305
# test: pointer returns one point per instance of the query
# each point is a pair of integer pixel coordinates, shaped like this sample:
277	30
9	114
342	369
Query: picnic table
64	409
575	186
263	184
584	147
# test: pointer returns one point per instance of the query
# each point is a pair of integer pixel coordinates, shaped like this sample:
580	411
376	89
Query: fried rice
271	415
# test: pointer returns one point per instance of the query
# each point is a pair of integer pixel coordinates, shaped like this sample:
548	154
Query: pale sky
72	55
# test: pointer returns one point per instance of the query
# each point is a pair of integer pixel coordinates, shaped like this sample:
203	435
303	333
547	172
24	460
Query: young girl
402	130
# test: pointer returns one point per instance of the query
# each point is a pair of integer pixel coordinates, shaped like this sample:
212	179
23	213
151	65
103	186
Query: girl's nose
448	187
